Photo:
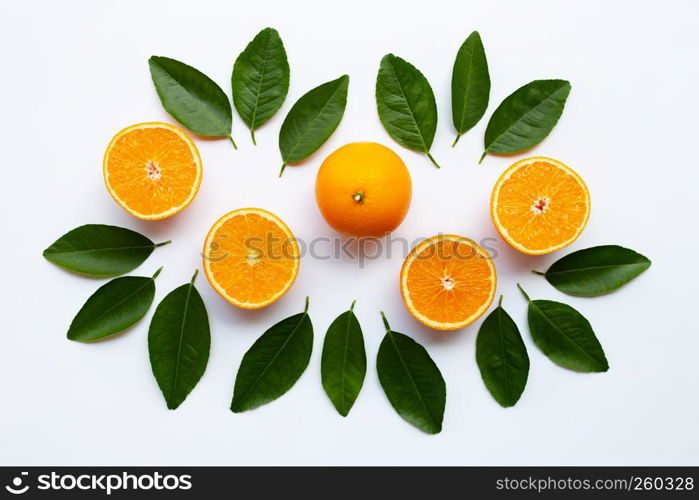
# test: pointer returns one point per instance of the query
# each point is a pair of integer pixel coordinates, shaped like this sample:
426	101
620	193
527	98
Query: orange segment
447	282
539	205
251	257
152	170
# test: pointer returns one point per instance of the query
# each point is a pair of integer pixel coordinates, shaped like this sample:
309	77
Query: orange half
447	282
152	170
539	205
251	257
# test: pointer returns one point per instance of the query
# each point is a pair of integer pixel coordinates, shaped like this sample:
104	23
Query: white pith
409	303
207	262
196	159
496	192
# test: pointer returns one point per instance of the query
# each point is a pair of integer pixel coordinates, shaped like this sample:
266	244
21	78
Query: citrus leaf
565	336
406	105
343	364
260	79
100	250
113	308
411	380
595	271
470	85
312	120
191	97
526	116
274	362
502	357
178	343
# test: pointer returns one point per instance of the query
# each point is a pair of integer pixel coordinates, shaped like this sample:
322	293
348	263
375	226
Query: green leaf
502	357
470	85
406	105
411	380
178	343
343	364
191	97
113	308
100	250
565	336
260	79
274	362
312	120
595	271
526	116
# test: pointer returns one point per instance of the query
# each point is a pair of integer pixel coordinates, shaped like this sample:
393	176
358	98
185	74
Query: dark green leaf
113	308
100	250
274	362
191	97
343	364
178	343
565	336
411	380
526	116
312	120
260	79
595	271
502	357
406	104
470	85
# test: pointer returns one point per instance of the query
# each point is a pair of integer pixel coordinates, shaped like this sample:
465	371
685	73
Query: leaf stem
483	156
305	309
539	273
500	301
352	306
458	136
194	276
524	293
385	321
163	243
282	170
433	160
230	138
252	134
157	272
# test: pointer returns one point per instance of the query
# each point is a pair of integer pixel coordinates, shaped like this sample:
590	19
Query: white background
74	73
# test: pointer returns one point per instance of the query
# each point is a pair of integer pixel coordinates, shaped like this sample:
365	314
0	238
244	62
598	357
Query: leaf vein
523	116
274	358
412	380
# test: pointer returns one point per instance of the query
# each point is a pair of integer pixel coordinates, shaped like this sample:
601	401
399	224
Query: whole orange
363	189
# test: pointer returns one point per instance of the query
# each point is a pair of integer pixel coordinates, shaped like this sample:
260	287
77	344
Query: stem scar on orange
539	205
363	189
447	282
251	257
152	170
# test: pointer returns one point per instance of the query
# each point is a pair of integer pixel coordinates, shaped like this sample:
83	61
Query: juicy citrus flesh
447	282
363	189
152	170
251	257
539	205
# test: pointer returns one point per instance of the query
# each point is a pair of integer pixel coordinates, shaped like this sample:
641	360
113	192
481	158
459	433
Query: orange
447	282
539	205
363	189
152	170
251	257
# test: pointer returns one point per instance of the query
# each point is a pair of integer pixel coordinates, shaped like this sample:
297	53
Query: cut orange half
447	282
152	170
251	257
539	205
